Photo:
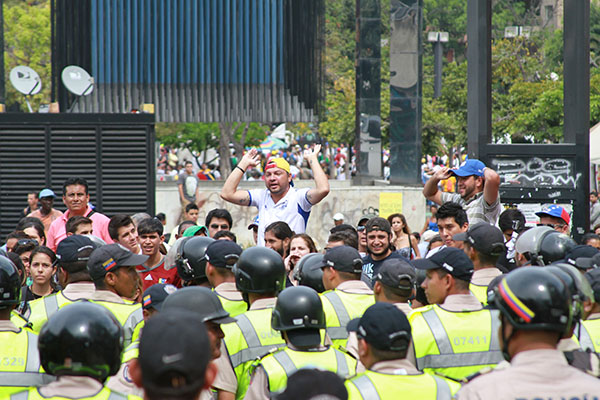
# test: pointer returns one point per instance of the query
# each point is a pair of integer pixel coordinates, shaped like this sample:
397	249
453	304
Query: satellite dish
77	80
26	81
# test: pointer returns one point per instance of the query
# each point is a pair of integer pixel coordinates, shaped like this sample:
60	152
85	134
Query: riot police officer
589	333
81	345
454	336
308	271
346	296
384	337
541	245
299	316
191	261
260	276
536	311
221	256
20	365
113	269
72	255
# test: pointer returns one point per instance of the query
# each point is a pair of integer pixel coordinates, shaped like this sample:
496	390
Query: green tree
199	137
27	42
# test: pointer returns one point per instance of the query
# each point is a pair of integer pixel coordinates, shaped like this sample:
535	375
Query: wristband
240	168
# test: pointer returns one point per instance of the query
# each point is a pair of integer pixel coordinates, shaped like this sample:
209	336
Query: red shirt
158	274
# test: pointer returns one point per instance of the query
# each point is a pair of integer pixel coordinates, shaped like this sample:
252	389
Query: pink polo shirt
57	231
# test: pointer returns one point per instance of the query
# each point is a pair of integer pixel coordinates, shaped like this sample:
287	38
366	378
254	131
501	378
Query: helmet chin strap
246	299
506	340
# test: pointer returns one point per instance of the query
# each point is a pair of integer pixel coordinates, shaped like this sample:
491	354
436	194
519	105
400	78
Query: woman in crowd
405	244
300	245
431	222
41	270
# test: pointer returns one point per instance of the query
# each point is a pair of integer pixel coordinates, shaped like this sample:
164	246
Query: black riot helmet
82	339
191	258
299	312
10	283
259	270
298	307
543	245
308	271
201	301
533	298
579	287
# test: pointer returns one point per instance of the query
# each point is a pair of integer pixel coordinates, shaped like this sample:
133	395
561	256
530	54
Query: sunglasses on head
23	242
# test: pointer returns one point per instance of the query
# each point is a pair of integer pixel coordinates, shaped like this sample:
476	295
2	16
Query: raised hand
250	160
312	153
442	174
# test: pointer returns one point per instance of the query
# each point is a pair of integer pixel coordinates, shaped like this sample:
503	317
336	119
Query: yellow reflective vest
375	386
248	339
589	334
41	309
233	307
280	365
455	344
480	292
129	316
20	362
104	394
341	307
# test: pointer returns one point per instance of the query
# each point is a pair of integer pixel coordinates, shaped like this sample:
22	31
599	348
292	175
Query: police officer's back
453	336
20	362
179	368
299	316
589	332
81	345
346	296
535	313
483	243
260	276
205	304
152	302
384	336
113	270
580	294
72	255
221	256
394	284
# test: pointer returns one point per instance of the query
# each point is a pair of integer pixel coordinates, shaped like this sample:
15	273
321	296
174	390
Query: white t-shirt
293	208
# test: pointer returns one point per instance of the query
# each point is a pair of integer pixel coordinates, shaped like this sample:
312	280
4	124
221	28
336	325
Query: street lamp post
437	38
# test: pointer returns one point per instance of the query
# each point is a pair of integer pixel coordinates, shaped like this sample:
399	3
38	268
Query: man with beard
477	191
279	201
379	248
278	236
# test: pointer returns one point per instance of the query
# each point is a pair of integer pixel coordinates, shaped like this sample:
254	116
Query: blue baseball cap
469	167
46	193
555	210
253	223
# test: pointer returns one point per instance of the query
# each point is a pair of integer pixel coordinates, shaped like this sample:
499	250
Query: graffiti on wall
536	172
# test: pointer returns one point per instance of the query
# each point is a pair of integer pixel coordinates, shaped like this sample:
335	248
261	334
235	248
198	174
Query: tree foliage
27	42
199	137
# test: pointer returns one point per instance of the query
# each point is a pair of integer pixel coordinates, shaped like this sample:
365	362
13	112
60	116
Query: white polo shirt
294	209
